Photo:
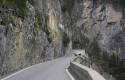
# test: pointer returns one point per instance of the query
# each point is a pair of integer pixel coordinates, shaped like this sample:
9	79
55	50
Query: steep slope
29	37
94	20
34	31
98	27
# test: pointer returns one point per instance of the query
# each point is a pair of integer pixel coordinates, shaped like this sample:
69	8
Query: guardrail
81	72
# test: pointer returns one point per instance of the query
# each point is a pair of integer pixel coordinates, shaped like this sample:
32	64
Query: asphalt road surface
51	70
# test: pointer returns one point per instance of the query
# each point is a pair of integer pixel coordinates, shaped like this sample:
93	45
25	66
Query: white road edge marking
24	69
67	71
18	72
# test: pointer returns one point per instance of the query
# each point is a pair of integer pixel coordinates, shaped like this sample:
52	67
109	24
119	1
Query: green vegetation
111	64
104	64
7	2
122	3
8	19
37	22
20	4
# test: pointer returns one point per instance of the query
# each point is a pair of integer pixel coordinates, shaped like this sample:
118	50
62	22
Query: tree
122	3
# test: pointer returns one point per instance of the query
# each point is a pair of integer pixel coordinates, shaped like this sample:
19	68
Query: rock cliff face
96	21
32	39
50	27
98	27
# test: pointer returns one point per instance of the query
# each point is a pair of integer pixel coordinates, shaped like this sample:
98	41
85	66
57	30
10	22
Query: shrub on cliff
122	3
20	5
7	2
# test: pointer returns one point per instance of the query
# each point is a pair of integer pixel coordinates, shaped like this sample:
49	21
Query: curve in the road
51	70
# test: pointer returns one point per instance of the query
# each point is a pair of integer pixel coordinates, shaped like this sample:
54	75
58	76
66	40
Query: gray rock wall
50	27
98	27
34	39
96	23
